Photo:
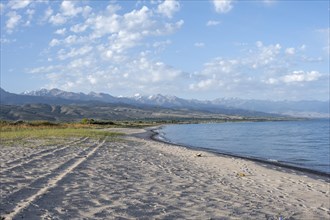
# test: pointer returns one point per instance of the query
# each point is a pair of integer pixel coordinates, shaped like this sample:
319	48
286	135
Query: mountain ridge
227	106
303	108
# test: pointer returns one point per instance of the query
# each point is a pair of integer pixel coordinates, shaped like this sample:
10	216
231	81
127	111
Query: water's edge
152	134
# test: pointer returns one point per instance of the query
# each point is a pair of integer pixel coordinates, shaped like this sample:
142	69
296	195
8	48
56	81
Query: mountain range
153	103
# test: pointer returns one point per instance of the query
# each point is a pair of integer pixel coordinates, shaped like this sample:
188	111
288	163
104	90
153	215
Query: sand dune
142	179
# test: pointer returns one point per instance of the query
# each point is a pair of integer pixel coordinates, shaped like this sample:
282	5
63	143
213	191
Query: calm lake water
297	143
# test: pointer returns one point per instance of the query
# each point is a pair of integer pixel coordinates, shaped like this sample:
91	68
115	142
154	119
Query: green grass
33	136
55	132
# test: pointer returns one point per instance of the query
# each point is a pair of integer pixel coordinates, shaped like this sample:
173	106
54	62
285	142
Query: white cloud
86	11
265	55
212	23
168	8
138	19
2	8
301	76
125	31
260	69
68	9
145	71
259	44
290	51
112	9
169	28
48	12
57	19
54	42
30	13
114	52
6	40
74	52
43	69
199	44
93	80
103	25
60	31
271	81
18	4
203	84
161	43
12	21
222	6
302	47
78	28
71	39
269	2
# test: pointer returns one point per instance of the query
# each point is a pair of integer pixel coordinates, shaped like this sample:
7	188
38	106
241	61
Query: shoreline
151	134
135	177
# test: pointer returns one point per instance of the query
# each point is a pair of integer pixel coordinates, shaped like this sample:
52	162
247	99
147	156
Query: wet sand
138	178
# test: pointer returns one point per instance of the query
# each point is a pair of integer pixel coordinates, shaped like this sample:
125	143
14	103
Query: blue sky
265	49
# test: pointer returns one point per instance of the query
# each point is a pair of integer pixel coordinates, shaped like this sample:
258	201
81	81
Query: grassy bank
27	133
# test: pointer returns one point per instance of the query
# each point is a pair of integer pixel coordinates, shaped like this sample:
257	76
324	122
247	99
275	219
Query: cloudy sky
263	49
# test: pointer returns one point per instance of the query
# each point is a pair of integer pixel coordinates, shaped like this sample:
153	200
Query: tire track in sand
39	155
21	200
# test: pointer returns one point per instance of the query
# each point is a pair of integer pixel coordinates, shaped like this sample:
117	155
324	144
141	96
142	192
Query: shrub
87	121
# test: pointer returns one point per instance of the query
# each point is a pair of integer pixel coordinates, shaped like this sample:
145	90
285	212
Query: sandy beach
138	178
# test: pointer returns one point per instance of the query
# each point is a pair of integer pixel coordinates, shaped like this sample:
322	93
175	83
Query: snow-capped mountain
92	96
223	105
161	100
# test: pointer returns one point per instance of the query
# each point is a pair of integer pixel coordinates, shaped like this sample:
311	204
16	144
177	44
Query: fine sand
137	178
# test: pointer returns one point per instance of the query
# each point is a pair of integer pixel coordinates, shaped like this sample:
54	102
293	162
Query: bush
87	121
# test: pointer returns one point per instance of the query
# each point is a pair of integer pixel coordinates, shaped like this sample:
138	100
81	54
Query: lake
303	144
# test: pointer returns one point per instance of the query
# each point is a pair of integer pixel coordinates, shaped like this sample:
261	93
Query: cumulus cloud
140	74
297	76
137	19
68	8
199	44
269	2
212	23
18	4
57	19
168	8
290	51
264	55
260	70
48	12
54	42
2	8
203	84
79	28
6	40
222	6
104	49
161	44
13	20
301	76
60	31
124	31
74	52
